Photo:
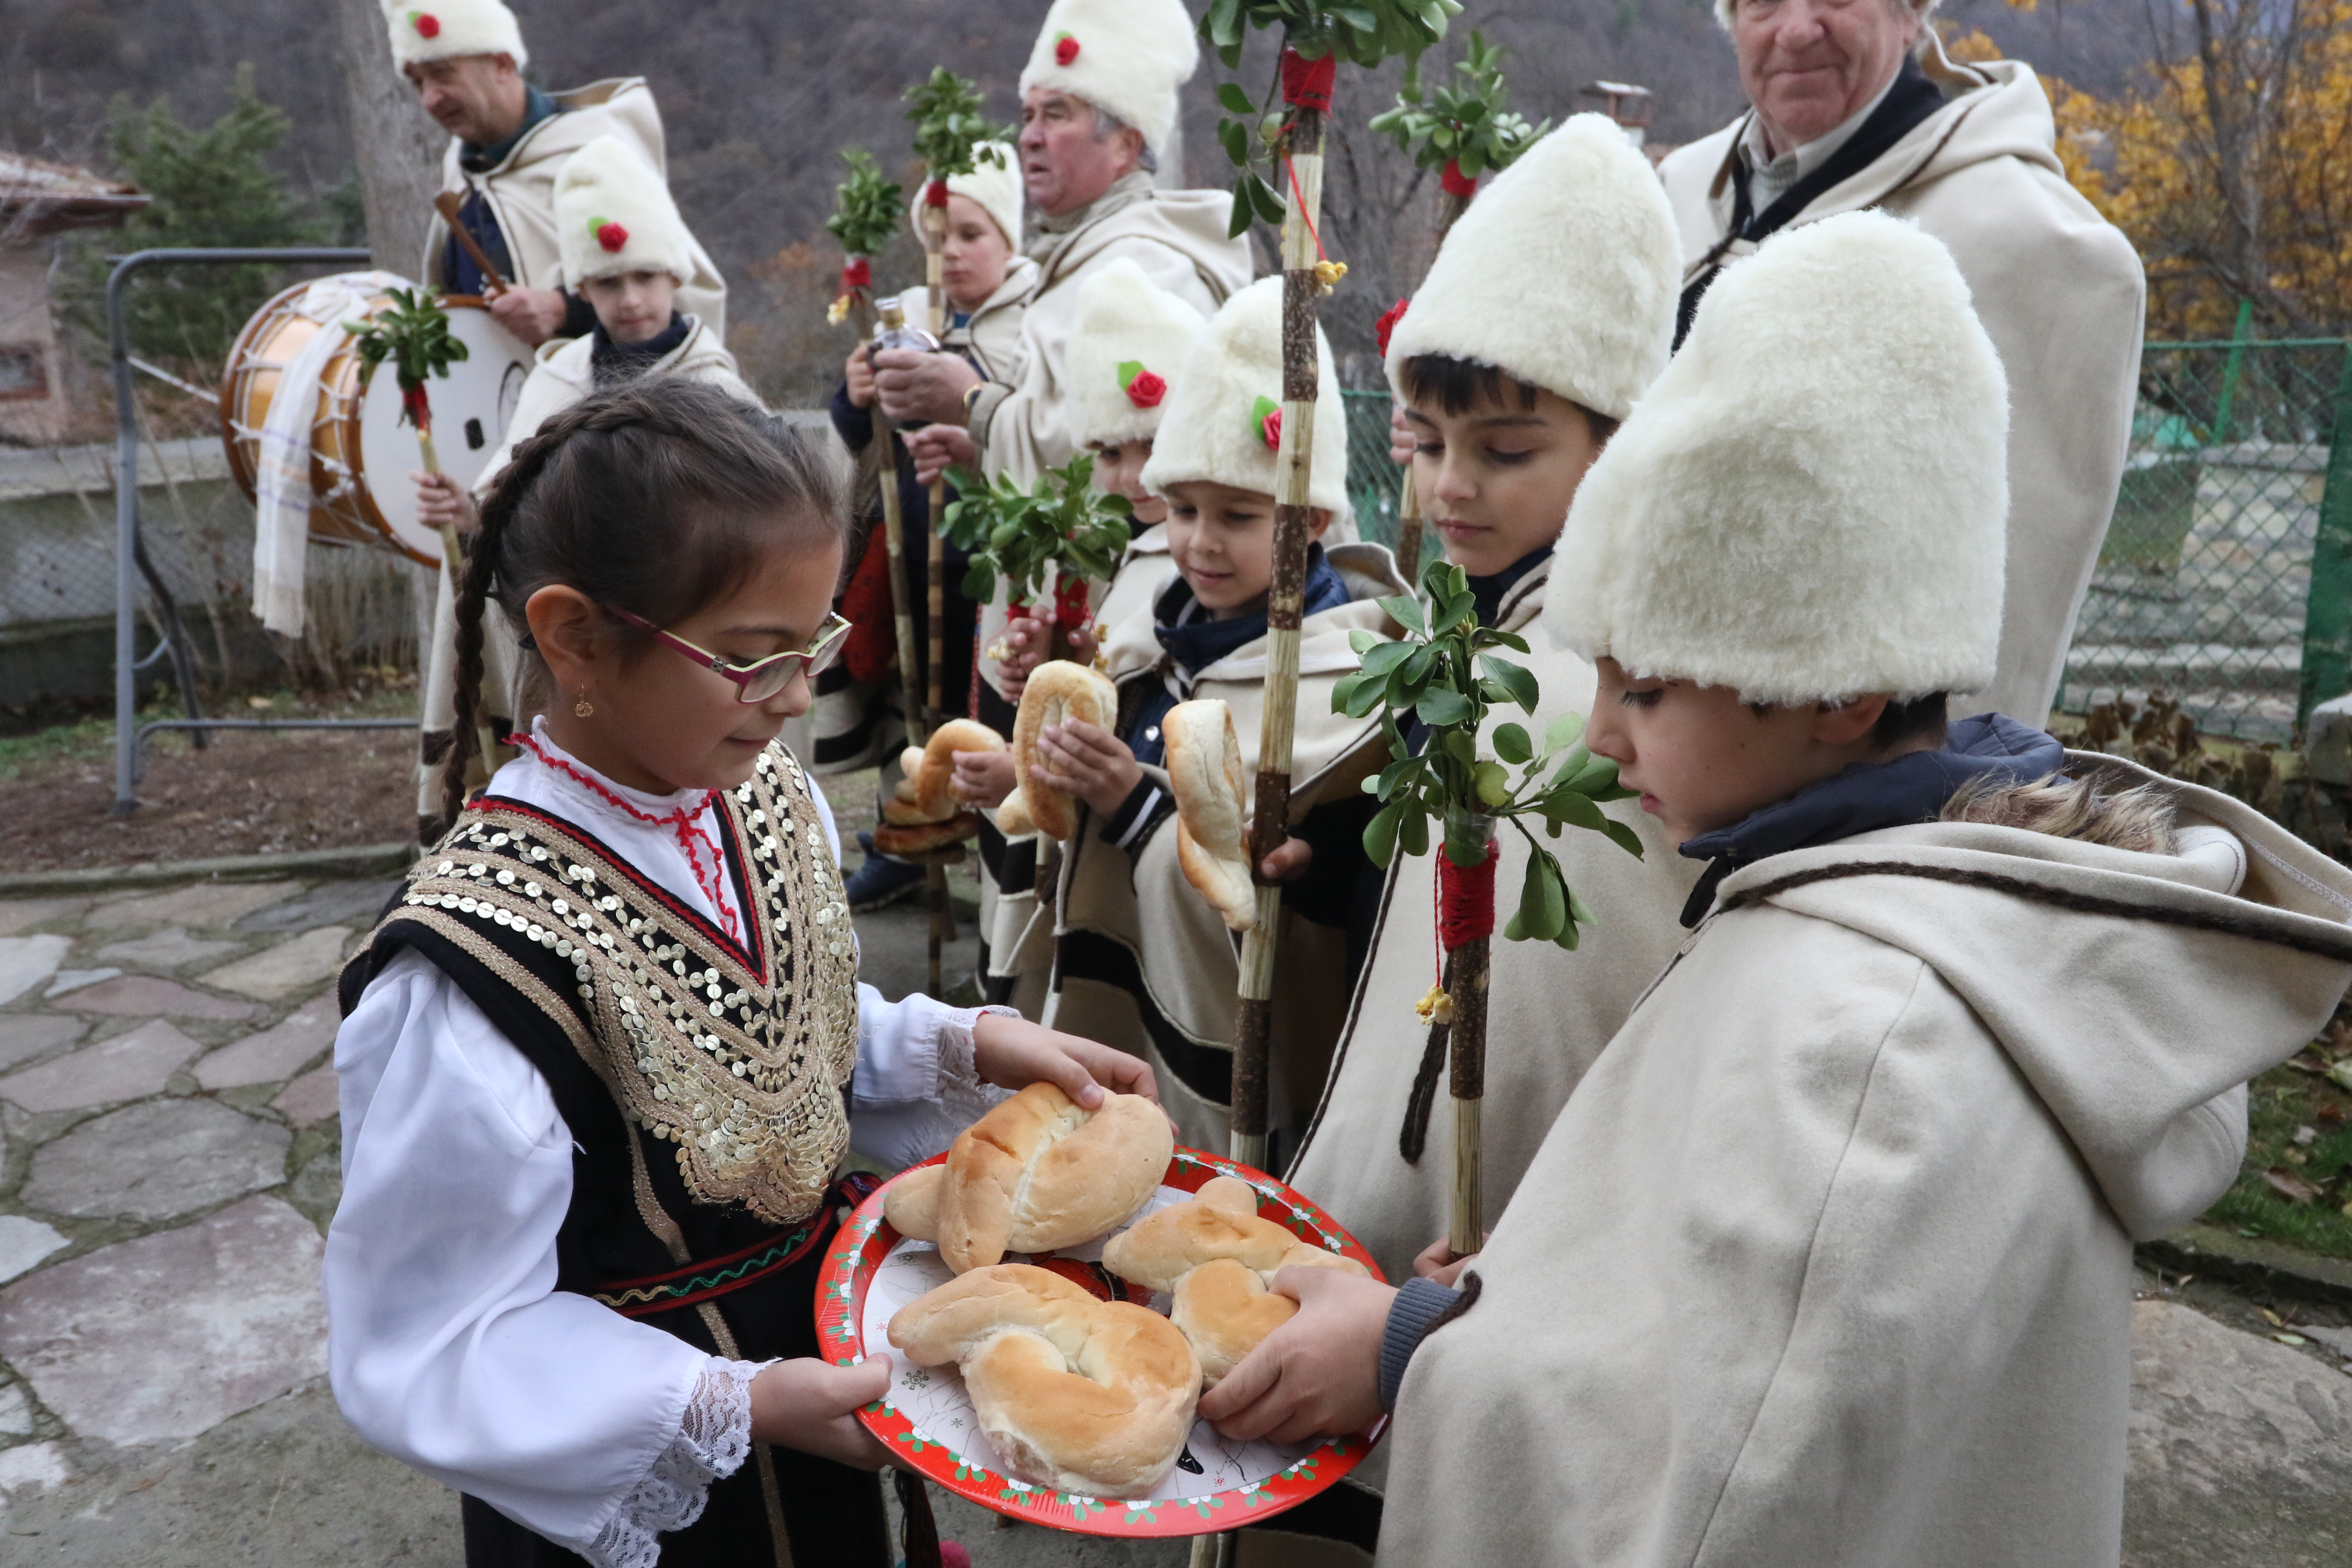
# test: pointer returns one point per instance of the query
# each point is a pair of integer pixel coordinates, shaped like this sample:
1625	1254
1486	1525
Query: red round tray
1269	1478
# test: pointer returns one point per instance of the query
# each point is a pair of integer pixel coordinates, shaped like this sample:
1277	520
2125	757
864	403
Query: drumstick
449	202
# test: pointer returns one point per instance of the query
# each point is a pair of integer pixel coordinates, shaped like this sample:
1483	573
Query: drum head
471	408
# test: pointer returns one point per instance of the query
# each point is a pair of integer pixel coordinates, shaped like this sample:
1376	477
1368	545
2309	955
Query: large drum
360	454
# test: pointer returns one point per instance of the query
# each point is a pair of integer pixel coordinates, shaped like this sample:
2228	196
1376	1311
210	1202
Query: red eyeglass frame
831	636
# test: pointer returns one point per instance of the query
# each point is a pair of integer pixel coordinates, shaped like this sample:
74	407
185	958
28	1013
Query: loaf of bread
1073	1393
936	775
1215	1257
1034	1174
1057	691
1012	818
1204	767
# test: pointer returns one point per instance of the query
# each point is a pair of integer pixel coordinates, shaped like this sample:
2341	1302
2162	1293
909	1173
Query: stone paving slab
25	1036
170	948
28	961
310	1098
277	1053
23	1243
295	964
354	904
199	904
15	1412
129	1067
144	997
156	1160
19	915
167	1336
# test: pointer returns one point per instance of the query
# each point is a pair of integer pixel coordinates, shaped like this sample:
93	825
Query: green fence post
2238	335
2327	619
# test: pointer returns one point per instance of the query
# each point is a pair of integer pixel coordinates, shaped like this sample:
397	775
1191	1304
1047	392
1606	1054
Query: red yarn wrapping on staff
935	194
1306	84
858	274
420	412
1465	899
1070	602
1454	182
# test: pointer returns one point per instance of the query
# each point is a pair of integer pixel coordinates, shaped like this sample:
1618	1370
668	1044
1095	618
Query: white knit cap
1125	355
1811	503
1125	56
613	214
1213	426
439	30
995	186
1564	273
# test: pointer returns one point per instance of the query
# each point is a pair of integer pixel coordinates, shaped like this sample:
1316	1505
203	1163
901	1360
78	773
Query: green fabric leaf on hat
1128	369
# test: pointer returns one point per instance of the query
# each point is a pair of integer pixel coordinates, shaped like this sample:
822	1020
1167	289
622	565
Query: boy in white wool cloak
1828	1259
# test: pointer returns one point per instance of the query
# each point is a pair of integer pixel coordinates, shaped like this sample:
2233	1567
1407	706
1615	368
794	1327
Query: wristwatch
972	397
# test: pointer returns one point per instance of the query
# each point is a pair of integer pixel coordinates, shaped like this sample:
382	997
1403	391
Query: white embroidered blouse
450	1347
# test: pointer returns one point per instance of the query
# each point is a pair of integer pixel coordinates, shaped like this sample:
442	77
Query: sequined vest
702	1079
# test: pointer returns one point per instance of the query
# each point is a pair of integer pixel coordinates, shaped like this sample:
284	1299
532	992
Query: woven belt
713	1276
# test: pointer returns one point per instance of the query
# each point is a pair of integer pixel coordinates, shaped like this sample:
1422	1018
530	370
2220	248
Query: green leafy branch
1361	33
866	206
951	124
1464	120
1016	533
1446	673
414	336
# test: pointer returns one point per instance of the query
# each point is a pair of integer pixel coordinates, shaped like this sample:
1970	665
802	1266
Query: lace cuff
961	1093
714	1438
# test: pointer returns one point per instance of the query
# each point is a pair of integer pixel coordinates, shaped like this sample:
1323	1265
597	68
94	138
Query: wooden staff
935	868
450	203
1302	151
1466	899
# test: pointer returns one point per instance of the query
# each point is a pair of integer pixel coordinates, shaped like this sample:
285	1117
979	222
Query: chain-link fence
1372	480
2226	578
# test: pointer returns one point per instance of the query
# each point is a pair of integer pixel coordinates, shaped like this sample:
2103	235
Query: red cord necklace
679	819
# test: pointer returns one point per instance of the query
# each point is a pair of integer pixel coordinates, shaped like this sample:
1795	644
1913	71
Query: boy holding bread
1828	1259
1141	957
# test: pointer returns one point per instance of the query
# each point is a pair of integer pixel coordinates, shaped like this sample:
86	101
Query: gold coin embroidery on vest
742	1073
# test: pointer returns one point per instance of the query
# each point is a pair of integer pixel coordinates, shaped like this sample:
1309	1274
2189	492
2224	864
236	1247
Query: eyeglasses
762	678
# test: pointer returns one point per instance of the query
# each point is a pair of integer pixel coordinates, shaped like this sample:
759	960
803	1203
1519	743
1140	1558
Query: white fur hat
1812	502
613	214
1564	273
1127	58
439	30
1127	352
1214	425
995	186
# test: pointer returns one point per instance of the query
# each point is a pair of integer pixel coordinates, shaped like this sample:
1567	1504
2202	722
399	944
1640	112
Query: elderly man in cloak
1097	109
509	142
1854	106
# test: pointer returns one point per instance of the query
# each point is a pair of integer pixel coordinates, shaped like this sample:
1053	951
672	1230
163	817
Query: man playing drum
465	58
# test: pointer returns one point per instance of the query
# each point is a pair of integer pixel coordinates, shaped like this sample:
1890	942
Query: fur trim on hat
1125	56
613	214
995	186
1218	416
1564	273
1127	353
1812	502
440	29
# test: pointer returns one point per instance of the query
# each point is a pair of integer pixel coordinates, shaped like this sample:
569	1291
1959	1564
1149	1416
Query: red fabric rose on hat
1143	388
426	24
1268	415
610	235
1065	48
1386	326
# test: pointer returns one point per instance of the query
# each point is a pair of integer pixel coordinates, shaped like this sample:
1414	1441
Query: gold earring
584	708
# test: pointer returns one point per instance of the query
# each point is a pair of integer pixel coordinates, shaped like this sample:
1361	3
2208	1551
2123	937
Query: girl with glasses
604	1056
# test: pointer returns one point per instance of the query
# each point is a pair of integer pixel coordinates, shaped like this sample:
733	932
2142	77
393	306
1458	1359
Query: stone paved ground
168	1158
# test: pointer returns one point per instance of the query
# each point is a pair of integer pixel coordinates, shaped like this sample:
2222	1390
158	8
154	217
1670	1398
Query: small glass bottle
893	332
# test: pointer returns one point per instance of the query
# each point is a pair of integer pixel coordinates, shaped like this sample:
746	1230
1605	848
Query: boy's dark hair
1921	719
659	497
1459	386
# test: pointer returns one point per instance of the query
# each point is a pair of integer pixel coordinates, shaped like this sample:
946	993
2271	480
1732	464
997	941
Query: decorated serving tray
927	1418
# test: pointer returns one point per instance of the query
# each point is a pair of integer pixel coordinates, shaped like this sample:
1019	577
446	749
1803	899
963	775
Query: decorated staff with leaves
1544	319
865	216
1289	141
1063	531
1462	129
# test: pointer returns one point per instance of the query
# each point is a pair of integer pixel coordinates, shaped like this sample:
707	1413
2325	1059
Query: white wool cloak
2059	291
1549	1013
522	191
1828	1259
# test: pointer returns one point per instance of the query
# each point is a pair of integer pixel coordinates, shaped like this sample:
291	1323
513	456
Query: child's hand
809	1405
1438	1262
441	501
1014	1053
1088	762
936	446
1290	860
1024	643
983	779
859	374
1317	1373
1403	440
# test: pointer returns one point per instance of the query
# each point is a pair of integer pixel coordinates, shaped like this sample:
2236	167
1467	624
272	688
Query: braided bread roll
1204	765
1058	691
1079	1395
1216	1257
